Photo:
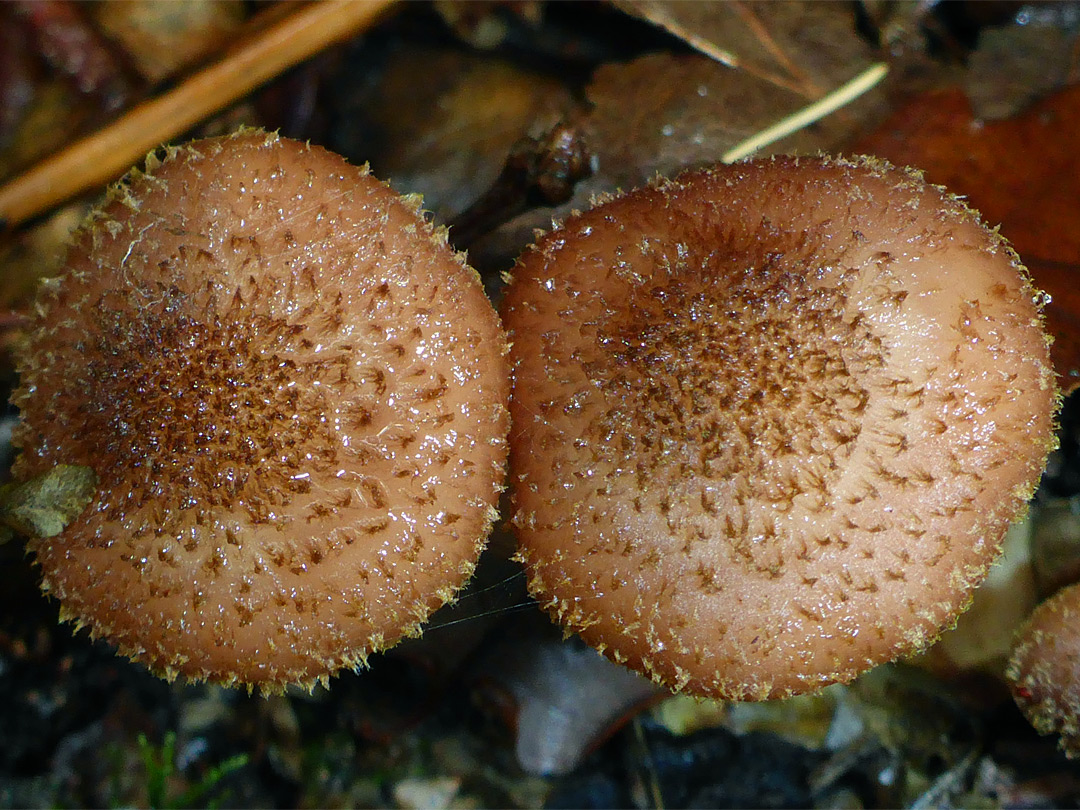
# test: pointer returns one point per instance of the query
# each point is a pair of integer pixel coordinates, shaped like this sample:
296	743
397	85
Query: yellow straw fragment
838	98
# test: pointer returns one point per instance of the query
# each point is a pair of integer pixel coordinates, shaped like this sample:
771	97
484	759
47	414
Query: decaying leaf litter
436	98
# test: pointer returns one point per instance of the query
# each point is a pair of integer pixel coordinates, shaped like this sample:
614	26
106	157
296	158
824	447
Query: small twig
106	154
838	98
538	171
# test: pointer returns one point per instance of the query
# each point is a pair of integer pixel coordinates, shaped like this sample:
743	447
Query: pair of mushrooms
769	421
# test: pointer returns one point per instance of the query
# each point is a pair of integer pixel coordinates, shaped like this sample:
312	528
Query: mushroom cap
293	393
770	421
1044	670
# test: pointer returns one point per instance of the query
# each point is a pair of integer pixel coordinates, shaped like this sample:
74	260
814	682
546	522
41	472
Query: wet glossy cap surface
771	420
292	392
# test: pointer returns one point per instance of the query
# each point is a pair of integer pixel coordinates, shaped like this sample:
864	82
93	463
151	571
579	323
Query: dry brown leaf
686	111
805	47
441	122
662	114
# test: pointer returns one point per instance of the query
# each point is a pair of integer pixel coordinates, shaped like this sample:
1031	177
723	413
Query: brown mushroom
293	395
1044	670
770	421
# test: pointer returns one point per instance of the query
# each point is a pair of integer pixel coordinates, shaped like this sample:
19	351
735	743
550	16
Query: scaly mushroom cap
770	421
1044	670
293	393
